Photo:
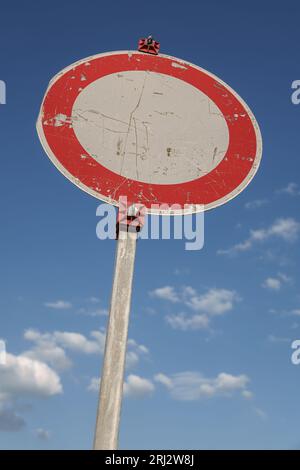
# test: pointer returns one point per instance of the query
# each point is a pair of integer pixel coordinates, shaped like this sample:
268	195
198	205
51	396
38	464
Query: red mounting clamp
131	219
148	45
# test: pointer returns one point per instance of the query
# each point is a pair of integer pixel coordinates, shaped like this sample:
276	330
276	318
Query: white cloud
272	283
42	434
247	394
94	384
296	311
256	204
134	352
134	386
182	321
165	293
58	304
93	300
164	380
46	350
140	348
2	351
132	359
22	376
292	189
94	312
52	355
286	229
138	387
275	283
50	347
99	312
79	343
278	339
214	302
92	308
191	386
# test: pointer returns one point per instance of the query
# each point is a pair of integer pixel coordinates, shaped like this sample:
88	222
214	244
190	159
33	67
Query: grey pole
111	386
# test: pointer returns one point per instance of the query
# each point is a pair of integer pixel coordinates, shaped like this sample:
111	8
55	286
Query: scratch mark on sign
136	149
130	121
215	153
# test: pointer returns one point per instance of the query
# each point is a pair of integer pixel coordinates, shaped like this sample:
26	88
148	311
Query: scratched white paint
150	127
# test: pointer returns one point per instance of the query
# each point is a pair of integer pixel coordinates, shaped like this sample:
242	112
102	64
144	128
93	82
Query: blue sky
209	362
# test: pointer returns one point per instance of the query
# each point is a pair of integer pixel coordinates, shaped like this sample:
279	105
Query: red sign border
224	182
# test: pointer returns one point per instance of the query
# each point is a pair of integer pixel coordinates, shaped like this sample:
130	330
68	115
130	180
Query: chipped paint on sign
180	66
153	128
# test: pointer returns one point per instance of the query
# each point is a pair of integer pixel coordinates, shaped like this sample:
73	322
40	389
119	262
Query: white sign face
153	128
176	133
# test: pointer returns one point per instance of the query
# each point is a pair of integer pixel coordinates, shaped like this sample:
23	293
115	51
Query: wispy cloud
286	229
94	384
286	312
93	300
59	304
90	307
93	312
192	386
278	339
247	394
292	189
135	352
276	283
184	322
256	204
214	302
165	293
138	387
272	283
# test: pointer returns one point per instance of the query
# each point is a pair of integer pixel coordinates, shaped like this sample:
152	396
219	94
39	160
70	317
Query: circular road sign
155	129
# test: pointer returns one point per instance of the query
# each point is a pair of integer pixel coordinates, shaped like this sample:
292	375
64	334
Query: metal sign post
159	131
111	385
112	377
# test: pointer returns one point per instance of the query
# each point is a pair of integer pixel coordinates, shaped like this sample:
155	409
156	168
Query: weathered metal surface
161	145
153	128
111	386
